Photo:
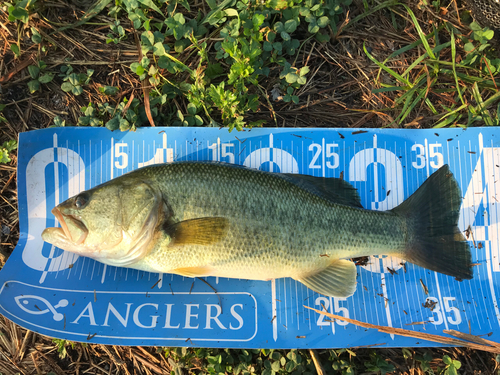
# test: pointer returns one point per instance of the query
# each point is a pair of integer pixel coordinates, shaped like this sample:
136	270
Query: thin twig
414	334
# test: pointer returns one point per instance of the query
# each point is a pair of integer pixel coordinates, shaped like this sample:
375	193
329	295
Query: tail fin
434	240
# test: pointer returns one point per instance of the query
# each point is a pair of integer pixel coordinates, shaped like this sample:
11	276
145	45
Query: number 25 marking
329	153
323	301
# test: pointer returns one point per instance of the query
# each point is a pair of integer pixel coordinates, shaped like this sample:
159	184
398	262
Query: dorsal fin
335	190
332	189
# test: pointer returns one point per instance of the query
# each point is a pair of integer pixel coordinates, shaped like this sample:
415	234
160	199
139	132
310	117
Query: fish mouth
63	219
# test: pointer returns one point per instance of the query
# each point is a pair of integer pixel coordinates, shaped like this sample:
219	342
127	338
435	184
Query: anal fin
193	271
336	280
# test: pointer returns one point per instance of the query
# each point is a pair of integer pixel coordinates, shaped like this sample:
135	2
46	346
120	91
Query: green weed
340	363
5	149
478	53
38	76
35	36
378	364
123	116
452	365
2	119
20	10
117	33
57	122
73	82
256	37
61	347
240	361
428	73
424	362
207	68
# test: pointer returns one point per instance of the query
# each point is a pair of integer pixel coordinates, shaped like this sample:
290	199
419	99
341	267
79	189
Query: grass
241	63
296	63
26	352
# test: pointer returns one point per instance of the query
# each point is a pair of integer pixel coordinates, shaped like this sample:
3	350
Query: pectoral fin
202	231
337	280
193	271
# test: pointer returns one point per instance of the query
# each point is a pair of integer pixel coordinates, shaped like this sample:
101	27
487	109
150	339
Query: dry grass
338	92
25	352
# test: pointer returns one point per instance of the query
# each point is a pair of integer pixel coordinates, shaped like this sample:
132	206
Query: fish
199	219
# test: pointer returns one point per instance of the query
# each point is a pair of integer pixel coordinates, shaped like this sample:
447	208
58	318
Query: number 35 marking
453	318
435	157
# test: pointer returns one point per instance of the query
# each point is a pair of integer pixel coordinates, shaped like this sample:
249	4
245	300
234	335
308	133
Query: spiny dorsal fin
202	231
336	280
334	190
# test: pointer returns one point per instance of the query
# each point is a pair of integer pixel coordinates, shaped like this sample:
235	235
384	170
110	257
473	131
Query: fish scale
214	219
273	224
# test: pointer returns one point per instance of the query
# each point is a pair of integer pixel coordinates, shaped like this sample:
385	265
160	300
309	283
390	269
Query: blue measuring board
62	295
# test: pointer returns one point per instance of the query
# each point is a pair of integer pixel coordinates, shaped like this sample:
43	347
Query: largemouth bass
212	219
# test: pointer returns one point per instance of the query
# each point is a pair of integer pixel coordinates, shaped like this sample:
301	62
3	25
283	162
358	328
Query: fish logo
23	301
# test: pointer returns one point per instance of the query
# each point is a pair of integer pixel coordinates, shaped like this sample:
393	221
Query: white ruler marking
274	309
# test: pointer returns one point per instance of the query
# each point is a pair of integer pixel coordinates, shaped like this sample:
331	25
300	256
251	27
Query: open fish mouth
72	221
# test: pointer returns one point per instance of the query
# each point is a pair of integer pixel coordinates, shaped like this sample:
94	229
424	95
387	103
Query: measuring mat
67	296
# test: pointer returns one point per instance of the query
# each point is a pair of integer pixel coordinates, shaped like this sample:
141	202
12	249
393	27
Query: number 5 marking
456	318
434	153
121	154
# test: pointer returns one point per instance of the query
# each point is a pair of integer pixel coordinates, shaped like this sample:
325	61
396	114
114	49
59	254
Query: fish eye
80	201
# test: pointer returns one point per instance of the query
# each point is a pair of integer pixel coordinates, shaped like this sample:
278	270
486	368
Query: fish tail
433	238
